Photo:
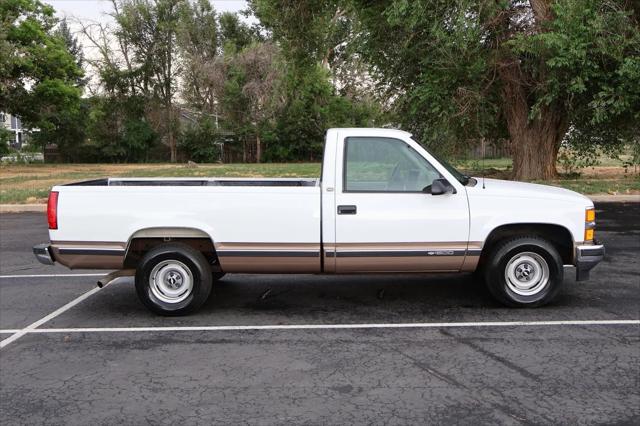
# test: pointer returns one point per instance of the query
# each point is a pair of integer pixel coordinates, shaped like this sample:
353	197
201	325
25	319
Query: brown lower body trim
295	258
397	264
470	263
401	257
474	249
89	254
348	258
270	264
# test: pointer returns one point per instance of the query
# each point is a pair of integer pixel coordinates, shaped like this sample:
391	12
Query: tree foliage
235	34
118	131
73	46
39	76
457	71
202	141
542	74
311	108
149	28
280	106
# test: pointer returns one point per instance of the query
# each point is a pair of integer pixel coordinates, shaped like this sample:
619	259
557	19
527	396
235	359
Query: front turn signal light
588	234
590	215
589	224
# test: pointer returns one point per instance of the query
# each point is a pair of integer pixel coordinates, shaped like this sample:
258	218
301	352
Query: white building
14	125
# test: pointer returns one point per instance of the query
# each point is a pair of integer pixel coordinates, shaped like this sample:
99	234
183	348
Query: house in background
226	141
14	125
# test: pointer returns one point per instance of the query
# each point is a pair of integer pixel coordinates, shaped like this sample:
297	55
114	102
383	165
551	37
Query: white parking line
335	326
31	327
52	275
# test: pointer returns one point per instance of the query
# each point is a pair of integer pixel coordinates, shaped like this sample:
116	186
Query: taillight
52	210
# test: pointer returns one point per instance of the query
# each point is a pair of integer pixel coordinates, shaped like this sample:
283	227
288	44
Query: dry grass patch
31	183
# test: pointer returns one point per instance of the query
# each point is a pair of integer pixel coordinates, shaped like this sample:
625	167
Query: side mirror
439	187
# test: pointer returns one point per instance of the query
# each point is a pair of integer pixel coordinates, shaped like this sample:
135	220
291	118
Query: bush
199	143
117	132
5	136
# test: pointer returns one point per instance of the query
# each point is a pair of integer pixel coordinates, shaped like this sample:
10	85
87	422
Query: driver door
385	221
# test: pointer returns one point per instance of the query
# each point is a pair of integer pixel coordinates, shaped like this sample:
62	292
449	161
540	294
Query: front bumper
43	253
587	257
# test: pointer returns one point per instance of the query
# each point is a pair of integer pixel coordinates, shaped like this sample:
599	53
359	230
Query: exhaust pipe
115	275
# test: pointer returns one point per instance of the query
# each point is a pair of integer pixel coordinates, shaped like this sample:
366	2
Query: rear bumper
42	252
587	257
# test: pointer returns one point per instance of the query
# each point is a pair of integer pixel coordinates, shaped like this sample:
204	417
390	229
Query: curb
23	208
622	198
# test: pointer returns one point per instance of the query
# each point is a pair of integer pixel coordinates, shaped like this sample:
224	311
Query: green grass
505	163
232	170
489	163
616	182
22	196
599	186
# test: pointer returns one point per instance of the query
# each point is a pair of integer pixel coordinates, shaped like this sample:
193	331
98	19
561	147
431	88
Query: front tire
524	272
173	279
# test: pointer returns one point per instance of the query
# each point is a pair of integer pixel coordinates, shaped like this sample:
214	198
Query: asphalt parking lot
104	359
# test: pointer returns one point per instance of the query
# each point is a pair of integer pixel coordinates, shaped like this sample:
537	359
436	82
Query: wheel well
557	235
139	246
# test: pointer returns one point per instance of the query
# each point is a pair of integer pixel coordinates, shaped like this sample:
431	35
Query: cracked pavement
506	375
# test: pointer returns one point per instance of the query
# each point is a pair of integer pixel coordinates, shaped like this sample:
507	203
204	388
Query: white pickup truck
382	204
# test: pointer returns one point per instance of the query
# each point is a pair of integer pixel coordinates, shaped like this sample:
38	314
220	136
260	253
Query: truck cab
380	212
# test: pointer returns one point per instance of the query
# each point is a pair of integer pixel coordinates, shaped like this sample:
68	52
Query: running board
115	275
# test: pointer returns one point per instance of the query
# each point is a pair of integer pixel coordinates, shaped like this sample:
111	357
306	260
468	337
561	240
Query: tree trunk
535	147
258	148
172	147
171	138
169	97
534	143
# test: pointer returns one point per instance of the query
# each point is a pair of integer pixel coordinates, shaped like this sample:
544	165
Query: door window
375	164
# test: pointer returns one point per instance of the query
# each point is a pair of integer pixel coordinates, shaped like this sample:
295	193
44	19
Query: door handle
347	209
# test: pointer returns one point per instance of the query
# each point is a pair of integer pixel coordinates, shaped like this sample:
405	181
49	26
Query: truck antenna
483	170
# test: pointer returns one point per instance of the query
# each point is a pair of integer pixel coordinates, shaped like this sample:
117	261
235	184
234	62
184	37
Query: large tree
148	29
465	70
74	47
199	42
39	77
259	66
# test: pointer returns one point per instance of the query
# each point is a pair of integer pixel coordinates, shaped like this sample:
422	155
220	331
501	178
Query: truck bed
276	216
279	182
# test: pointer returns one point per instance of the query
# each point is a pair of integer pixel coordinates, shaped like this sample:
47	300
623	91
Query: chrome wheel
527	274
171	281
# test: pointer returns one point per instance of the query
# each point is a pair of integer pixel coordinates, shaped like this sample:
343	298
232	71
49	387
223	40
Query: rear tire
173	279
524	272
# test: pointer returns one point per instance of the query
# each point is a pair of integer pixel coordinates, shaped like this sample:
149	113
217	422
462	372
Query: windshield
462	178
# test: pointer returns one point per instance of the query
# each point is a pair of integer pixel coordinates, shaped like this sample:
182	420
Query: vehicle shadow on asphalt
355	291
240	299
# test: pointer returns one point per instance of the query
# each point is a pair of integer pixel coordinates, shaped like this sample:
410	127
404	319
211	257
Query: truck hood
512	189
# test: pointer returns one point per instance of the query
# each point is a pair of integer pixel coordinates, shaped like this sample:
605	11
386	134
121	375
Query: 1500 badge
440	253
